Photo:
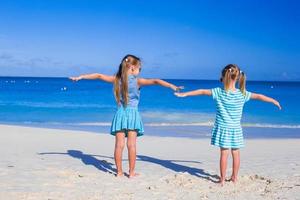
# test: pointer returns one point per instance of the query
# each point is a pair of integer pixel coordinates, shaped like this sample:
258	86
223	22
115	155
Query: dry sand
61	164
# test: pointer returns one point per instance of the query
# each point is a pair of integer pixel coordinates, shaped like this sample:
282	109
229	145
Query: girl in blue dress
127	121
227	131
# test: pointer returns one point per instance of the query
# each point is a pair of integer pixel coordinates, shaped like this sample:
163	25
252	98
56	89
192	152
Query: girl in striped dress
127	121
227	131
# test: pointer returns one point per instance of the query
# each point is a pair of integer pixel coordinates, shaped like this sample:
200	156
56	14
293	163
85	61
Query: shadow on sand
87	159
173	165
105	166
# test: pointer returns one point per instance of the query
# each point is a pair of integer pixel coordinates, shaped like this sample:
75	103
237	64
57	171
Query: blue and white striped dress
227	131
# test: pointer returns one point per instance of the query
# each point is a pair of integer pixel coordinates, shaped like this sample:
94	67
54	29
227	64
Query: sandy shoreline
61	164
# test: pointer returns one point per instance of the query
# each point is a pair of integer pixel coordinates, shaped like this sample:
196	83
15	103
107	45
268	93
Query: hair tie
230	70
126	59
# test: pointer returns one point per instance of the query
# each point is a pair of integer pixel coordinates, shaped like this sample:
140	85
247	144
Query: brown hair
121	78
232	72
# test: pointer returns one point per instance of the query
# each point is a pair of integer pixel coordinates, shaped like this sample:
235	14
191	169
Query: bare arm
265	99
144	82
194	93
102	77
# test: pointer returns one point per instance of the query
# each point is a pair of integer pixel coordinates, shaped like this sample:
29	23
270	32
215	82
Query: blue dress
227	131
127	117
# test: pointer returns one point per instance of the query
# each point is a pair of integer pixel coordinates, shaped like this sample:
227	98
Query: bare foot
221	182
120	174
233	179
132	175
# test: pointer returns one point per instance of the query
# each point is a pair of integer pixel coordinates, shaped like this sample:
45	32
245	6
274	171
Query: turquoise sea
90	105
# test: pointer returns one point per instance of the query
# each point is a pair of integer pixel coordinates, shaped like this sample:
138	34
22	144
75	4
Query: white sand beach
61	164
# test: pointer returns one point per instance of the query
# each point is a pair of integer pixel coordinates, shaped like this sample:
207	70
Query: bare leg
235	164
223	164
131	145
119	146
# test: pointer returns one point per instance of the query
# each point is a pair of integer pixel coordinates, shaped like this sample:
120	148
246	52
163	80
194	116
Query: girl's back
133	92
229	106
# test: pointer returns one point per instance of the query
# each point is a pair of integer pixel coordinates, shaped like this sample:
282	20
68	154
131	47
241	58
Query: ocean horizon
57	102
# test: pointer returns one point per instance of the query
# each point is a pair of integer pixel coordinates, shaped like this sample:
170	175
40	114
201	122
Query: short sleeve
215	92
247	96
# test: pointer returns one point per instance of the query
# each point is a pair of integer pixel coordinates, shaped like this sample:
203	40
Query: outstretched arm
102	77
144	82
194	93
265	99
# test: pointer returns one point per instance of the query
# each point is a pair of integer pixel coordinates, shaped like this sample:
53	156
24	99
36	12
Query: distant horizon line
63	77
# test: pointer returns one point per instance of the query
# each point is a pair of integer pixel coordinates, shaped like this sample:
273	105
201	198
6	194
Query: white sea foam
195	124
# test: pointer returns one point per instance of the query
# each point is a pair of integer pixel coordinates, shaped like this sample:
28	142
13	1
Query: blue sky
190	39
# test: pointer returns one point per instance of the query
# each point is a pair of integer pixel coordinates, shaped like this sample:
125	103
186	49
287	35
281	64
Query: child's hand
75	78
276	103
180	94
177	89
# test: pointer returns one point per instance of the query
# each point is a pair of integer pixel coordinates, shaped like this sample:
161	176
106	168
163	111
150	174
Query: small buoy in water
64	88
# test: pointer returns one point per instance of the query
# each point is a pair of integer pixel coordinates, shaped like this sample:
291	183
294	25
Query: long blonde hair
121	78
232	72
